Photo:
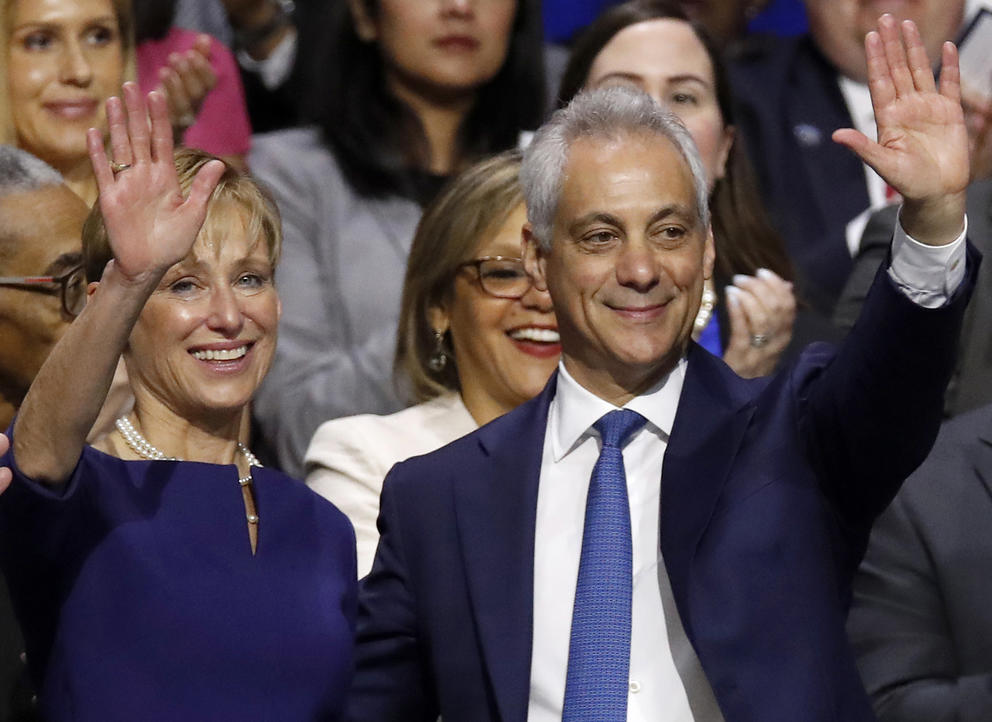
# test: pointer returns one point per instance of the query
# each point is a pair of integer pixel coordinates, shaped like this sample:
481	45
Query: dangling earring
438	359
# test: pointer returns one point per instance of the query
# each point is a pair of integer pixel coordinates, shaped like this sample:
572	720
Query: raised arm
922	148
150	227
873	413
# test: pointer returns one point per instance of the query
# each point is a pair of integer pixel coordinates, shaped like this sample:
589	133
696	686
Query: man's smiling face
628	256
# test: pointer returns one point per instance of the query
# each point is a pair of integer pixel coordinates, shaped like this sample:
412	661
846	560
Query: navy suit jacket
769	489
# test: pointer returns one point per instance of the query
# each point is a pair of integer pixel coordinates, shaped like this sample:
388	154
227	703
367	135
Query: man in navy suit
733	598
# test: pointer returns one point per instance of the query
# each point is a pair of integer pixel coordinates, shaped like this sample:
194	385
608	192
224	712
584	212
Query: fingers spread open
137	123
203	186
883	91
895	55
161	145
98	159
120	143
950	73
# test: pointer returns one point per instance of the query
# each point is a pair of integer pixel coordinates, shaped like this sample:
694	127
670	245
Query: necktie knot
617	426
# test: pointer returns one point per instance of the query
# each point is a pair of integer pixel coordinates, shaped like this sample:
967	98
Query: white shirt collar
575	409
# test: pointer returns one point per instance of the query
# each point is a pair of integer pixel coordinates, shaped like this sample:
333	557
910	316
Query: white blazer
349	457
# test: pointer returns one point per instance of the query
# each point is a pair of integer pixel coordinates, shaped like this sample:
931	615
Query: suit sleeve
872	252
900	632
870	414
392	677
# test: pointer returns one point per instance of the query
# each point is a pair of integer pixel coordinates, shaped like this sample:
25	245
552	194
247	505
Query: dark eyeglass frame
477	263
50	285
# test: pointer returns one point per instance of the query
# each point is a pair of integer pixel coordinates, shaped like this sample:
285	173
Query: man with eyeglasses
42	287
41	281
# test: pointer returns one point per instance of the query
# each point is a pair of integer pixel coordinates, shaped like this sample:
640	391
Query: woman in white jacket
475	340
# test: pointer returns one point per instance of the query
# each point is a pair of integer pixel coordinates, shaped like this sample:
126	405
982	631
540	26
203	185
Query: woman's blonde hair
233	187
471	208
125	25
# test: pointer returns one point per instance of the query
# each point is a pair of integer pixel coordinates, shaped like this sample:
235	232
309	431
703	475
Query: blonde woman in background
59	62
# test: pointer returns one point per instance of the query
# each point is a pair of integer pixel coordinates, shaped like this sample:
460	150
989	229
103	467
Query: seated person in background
475	340
748	307
42	285
161	574
410	94
921	620
792	94
207	101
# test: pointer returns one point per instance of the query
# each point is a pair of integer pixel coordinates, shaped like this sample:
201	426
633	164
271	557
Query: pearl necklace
143	448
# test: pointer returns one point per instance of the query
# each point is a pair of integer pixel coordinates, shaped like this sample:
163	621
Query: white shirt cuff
275	69
928	275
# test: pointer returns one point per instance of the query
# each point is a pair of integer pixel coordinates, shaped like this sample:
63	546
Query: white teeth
229	354
538	335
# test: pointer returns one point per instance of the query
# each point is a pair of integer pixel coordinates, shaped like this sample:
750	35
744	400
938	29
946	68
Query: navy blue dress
139	596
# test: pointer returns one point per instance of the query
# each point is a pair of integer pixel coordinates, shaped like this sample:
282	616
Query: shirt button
634	687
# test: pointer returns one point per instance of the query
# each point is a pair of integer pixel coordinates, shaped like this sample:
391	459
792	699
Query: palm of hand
149	226
924	143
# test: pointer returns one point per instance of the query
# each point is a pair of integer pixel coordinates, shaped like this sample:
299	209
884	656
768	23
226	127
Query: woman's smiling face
65	58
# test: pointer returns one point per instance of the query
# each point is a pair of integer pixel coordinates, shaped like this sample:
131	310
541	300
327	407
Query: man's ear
534	258
365	27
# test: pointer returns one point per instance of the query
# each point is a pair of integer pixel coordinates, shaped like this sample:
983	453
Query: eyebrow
45	24
672	209
684	77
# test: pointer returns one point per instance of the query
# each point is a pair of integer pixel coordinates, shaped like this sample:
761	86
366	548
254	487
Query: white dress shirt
666	680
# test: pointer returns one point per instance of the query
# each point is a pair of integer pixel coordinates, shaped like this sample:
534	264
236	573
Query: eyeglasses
70	286
500	276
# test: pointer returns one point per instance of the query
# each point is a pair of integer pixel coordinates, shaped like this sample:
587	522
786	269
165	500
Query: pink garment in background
222	125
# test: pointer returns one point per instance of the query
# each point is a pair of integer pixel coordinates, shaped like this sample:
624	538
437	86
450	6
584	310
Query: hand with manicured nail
761	309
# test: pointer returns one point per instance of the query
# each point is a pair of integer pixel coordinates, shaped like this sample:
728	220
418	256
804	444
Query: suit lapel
496	515
709	426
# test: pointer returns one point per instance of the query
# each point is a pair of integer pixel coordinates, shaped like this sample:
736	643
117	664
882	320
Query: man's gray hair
21	172
607	113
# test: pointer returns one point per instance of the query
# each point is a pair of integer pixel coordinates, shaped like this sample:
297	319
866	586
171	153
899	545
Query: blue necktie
599	648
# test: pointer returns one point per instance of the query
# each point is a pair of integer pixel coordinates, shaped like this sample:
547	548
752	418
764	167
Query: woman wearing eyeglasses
475	340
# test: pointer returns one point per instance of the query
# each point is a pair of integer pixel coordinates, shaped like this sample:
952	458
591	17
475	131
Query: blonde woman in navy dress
162	574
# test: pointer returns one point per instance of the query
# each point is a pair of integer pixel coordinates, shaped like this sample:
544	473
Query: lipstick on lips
539	341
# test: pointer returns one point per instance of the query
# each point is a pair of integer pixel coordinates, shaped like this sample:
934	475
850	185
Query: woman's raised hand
149	224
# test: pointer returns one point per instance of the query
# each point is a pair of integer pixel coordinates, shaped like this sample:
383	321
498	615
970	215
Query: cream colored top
349	457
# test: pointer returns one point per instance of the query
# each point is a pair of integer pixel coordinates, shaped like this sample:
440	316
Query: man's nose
637	265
